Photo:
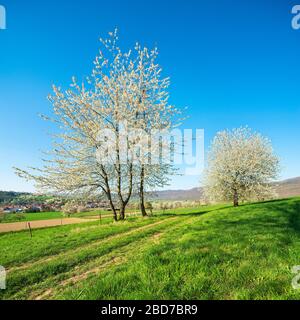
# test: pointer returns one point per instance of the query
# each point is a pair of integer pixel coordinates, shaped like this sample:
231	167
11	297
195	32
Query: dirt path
56	284
18	226
36	224
114	258
96	243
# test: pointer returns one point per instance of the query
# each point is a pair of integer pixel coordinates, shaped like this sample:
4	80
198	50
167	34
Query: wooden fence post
30	229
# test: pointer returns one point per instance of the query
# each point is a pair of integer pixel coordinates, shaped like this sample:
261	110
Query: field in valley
24	217
214	252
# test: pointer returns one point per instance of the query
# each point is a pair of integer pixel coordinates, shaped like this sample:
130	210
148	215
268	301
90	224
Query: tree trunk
235	199
114	212
112	206
124	203
142	196
122	211
108	194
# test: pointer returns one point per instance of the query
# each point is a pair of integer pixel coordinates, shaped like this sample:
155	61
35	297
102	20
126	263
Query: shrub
148	206
33	210
69	208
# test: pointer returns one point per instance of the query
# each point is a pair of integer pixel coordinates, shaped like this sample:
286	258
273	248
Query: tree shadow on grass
259	217
197	213
269	201
290	210
276	219
294	217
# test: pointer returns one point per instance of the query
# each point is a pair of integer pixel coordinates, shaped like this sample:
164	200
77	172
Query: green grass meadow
24	217
214	252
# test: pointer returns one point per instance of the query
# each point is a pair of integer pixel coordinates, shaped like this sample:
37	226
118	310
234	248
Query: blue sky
231	62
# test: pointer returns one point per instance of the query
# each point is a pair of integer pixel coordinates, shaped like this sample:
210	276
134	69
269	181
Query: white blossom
241	166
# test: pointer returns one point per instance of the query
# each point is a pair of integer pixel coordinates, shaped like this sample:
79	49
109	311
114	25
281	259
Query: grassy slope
209	253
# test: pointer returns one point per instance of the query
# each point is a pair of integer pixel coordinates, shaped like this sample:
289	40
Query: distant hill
284	189
180	195
7	196
289	188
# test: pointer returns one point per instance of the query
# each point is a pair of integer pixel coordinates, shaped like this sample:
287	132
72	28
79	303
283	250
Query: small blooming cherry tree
241	166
